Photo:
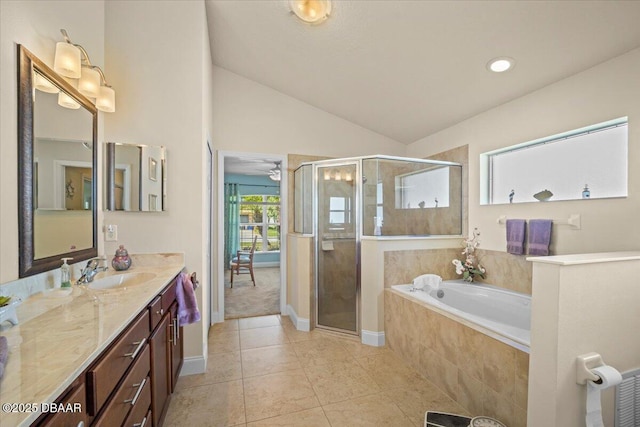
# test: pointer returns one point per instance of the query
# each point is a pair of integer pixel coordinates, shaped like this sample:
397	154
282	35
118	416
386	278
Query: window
589	162
427	188
260	215
339	213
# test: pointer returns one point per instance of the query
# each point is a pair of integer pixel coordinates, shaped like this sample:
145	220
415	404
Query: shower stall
340	202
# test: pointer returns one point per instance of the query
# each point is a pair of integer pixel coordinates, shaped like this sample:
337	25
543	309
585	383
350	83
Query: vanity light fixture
43	84
65	100
501	64
311	11
72	61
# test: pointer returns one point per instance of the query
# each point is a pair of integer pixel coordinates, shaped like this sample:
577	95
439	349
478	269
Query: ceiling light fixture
276	173
311	11
72	61
501	64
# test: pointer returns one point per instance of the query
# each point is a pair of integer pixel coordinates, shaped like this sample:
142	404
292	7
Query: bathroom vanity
100	356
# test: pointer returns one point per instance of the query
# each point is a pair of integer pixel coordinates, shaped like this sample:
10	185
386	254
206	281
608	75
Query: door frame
284	191
357	230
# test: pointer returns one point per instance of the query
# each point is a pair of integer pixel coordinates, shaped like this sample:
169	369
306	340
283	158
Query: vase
121	261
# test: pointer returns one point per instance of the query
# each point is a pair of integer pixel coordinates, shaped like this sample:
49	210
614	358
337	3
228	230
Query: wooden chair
244	259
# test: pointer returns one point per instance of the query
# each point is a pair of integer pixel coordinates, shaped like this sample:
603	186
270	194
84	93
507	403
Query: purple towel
515	236
539	236
187	304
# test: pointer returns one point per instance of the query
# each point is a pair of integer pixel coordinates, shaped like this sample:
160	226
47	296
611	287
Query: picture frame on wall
153	169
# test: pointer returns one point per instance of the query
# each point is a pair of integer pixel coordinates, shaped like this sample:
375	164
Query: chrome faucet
93	267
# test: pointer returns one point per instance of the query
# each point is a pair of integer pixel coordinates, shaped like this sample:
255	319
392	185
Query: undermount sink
120	281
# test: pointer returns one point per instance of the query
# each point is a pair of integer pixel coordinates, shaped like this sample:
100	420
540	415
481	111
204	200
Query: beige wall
251	117
36	25
372	279
578	309
160	101
299	276
604	92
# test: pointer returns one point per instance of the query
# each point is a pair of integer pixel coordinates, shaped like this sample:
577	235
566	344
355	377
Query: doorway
337	257
252	204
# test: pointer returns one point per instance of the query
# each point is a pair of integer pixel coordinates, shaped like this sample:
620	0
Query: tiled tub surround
484	375
503	270
57	338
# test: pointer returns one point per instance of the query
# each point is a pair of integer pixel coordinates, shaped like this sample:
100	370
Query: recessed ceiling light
311	11
501	64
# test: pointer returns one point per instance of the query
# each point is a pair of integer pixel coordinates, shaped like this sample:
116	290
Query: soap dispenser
65	274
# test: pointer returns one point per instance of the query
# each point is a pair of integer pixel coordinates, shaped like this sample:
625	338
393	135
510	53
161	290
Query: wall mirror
135	177
57	159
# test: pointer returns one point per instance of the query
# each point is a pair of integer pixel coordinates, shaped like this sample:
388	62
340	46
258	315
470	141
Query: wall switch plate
111	233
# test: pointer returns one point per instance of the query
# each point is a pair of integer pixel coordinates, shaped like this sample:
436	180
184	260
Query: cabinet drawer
169	295
72	418
155	313
134	390
107	372
140	414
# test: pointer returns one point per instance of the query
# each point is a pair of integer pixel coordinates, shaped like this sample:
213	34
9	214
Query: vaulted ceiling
407	69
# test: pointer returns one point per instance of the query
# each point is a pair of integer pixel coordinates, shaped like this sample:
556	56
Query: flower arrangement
470	268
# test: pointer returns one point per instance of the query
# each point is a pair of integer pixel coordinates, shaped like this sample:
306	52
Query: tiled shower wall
482	374
504	270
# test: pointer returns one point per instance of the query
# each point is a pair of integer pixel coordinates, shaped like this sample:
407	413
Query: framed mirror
135	177
57	159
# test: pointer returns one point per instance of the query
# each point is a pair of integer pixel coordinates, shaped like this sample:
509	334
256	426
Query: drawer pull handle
137	350
144	421
171	332
135	397
175	331
160	312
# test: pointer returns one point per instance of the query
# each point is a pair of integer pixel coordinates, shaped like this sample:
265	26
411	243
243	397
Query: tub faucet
93	267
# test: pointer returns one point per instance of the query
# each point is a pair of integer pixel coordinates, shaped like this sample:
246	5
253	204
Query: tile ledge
591	258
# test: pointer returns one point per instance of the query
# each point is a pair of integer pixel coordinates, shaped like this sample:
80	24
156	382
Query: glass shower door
337	257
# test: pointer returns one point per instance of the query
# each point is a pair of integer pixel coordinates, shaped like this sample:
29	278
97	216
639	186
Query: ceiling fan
275	174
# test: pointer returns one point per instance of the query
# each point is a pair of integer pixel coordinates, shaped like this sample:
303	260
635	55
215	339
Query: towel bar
573	221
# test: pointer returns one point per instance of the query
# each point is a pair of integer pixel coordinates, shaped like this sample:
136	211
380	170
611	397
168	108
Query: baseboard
375	339
216	318
193	365
300	323
266	264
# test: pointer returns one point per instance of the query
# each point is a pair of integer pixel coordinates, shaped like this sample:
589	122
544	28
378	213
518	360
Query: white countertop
58	338
592	258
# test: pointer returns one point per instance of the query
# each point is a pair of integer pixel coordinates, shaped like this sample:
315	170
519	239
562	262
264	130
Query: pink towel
187	304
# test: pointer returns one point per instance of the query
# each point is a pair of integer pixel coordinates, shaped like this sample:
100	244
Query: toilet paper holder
584	364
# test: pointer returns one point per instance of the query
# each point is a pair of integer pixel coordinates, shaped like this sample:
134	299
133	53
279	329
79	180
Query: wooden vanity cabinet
131	382
76	395
160	363
132	392
166	353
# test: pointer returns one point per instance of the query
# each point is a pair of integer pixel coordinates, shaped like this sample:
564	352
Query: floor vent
628	400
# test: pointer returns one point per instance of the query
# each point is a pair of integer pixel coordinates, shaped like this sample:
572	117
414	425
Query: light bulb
106	100
43	84
67	60
89	84
311	11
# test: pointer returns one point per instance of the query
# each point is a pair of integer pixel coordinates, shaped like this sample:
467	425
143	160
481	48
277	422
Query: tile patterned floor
263	372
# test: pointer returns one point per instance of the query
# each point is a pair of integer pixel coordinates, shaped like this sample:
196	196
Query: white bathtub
505	313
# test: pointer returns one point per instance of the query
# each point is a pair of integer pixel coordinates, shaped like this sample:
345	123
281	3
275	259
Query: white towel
431	280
